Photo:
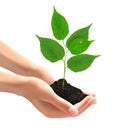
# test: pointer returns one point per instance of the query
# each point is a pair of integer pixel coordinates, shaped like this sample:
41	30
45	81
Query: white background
20	20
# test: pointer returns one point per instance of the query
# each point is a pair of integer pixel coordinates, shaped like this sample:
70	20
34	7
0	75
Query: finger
84	105
84	102
64	105
90	94
49	110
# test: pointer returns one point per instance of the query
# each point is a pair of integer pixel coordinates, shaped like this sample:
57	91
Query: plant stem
64	62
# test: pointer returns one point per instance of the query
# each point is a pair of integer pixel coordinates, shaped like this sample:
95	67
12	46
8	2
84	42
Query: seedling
58	49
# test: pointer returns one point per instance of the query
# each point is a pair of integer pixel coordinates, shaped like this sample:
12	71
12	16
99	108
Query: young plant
76	44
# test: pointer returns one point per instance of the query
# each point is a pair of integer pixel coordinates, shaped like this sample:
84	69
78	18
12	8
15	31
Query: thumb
64	105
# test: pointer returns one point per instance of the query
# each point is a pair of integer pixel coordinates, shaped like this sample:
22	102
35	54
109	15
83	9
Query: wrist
12	83
40	72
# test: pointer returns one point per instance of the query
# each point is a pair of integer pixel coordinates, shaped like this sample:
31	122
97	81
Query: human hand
36	90
86	103
41	95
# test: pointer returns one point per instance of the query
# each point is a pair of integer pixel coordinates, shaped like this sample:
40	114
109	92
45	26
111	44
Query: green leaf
81	33
78	45
51	49
81	62
59	25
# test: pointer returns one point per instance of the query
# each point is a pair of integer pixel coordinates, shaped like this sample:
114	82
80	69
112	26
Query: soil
68	92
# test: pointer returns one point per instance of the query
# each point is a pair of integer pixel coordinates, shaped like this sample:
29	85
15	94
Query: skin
33	82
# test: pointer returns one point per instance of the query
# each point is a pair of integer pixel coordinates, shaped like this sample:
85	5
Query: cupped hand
41	95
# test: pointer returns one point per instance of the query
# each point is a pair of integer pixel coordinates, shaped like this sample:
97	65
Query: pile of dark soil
68	92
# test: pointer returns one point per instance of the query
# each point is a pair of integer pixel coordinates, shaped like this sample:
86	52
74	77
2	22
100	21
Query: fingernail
73	111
